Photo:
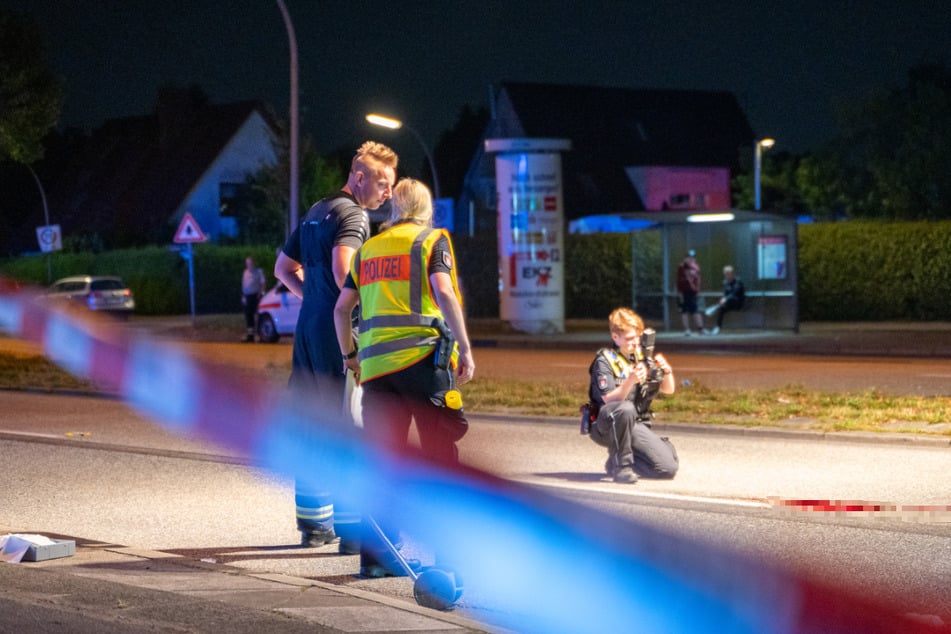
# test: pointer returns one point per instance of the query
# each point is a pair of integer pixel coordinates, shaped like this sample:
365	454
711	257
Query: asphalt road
739	370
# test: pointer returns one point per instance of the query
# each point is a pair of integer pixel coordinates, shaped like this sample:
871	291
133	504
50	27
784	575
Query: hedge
874	271
848	271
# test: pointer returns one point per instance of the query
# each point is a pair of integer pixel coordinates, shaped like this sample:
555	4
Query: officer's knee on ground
665	471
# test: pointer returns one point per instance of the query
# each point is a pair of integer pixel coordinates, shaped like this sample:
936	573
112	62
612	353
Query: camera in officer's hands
648	339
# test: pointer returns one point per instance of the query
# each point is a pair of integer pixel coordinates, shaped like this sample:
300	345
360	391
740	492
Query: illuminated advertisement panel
771	257
531	240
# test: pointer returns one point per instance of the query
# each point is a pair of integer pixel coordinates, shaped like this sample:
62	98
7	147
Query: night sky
788	63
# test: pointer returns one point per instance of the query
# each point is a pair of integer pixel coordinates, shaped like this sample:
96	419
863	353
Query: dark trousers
727	306
632	443
390	404
251	311
317	509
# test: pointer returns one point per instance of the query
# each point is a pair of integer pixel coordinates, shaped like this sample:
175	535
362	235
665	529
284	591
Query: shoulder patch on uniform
602	382
447	259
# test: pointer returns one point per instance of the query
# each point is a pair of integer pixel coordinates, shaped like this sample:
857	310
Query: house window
232	199
680	201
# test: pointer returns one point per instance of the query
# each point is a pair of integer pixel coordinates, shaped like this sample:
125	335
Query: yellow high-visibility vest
620	365
397	306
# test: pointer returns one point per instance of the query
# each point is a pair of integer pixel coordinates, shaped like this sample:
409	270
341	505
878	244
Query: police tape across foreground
536	560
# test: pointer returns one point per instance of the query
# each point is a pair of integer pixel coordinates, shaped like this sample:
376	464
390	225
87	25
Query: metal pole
295	116
761	144
665	274
46	219
633	272
757	160
429	157
191	281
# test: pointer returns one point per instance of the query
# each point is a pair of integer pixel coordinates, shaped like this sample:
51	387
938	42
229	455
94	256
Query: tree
320	177
31	96
779	190
891	159
263	220
894	153
821	185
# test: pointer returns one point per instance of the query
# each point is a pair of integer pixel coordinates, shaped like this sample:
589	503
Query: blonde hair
412	202
373	156
623	319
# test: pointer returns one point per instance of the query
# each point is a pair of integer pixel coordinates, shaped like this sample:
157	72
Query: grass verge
791	406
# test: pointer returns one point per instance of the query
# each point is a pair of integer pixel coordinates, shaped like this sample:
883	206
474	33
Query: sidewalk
107	588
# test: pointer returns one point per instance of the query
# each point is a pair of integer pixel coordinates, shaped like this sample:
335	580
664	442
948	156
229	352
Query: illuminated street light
762	144
395	124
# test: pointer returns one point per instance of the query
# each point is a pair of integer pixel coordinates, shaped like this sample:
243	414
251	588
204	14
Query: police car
277	314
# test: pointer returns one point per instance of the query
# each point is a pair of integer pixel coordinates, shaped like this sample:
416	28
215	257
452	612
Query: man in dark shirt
688	288
734	296
313	264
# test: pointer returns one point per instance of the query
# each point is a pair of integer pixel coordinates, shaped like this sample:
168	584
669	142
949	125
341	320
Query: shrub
856	270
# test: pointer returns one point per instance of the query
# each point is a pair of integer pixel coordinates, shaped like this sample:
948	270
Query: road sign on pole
50	238
189	231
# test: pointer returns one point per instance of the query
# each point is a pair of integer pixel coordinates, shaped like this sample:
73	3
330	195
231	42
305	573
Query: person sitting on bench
734	295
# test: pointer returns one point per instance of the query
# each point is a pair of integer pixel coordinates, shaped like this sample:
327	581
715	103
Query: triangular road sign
188	231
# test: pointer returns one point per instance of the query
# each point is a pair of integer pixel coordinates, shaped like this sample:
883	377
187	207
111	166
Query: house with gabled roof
138	176
632	149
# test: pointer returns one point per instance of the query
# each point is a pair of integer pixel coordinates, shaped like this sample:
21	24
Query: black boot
313	539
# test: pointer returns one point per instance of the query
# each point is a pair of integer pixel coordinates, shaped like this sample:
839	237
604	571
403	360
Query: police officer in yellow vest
413	348
624	381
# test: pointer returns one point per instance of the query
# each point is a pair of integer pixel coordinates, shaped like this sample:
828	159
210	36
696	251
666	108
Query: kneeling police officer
624	381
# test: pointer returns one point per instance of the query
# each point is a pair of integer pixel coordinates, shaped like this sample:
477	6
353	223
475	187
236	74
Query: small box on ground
59	548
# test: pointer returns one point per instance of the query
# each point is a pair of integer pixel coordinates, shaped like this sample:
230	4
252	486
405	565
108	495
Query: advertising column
530	232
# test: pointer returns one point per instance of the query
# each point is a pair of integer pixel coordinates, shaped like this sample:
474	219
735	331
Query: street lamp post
293	150
46	219
762	144
395	124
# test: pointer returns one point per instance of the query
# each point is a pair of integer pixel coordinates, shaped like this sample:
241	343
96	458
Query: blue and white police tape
539	563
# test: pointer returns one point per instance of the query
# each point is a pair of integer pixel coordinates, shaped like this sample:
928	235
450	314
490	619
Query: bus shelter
761	247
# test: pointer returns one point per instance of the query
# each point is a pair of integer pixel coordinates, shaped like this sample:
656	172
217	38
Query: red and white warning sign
50	238
189	231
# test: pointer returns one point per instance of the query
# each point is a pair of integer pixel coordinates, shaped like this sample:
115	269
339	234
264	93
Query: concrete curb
930	440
